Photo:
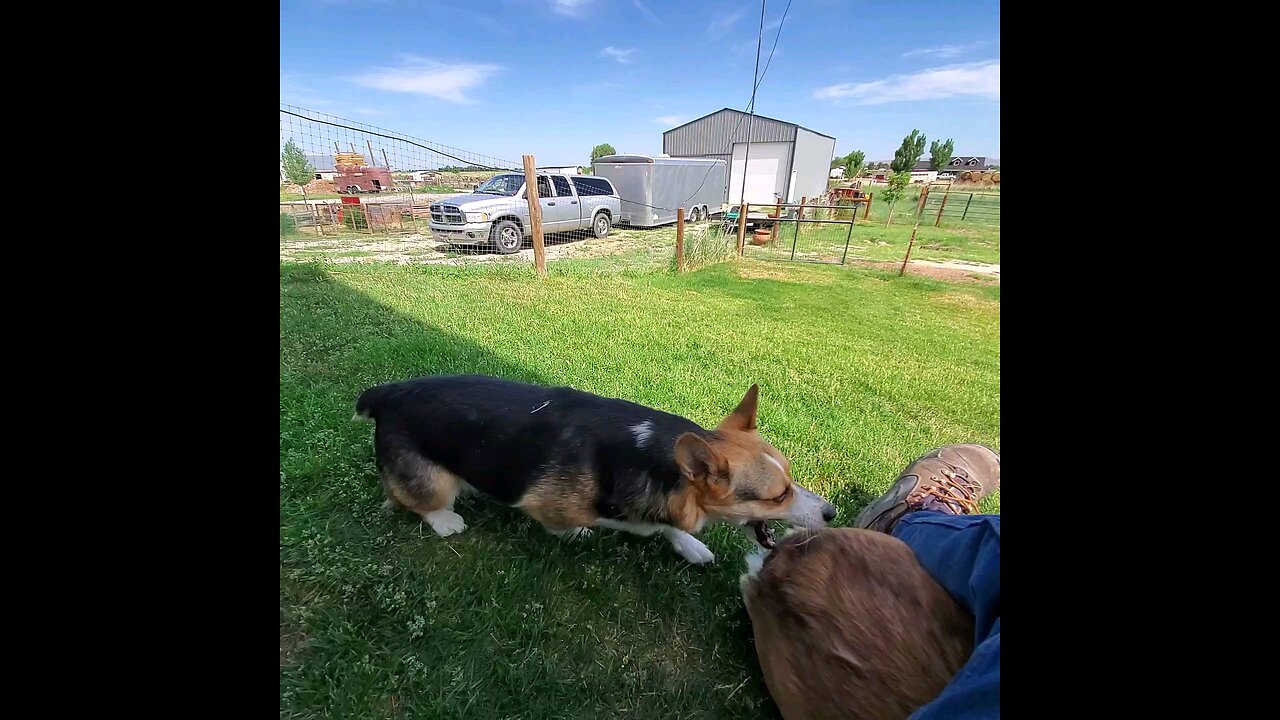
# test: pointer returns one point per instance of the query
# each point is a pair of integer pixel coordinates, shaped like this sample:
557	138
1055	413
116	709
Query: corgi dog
575	461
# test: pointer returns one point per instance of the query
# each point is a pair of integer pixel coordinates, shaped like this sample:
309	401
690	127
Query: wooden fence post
535	216
315	218
680	240
866	213
911	245
777	217
938	221
742	227
924	195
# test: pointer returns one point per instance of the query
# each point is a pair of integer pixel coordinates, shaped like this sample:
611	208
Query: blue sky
556	77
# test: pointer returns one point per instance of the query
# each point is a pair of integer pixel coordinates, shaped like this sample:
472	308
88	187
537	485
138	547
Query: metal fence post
796	237
912	244
938	221
848	237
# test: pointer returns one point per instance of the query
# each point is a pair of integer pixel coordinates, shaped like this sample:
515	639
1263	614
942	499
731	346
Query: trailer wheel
600	225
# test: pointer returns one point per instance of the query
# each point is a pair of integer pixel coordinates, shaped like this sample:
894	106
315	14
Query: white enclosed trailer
652	188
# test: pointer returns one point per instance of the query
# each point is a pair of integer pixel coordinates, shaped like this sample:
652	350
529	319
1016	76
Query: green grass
291	197
860	372
871	240
460	187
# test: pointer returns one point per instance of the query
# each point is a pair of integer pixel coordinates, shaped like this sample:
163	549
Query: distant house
836	173
424	176
323	164
958	164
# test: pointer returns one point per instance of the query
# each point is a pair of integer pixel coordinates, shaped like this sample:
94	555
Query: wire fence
944	204
351	192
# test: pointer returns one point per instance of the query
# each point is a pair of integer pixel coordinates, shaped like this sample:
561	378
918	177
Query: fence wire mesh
352	192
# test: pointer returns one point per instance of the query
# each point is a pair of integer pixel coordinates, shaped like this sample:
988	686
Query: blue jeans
962	554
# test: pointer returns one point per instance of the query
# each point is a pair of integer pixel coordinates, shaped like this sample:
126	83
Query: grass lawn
654	248
291	197
860	372
871	240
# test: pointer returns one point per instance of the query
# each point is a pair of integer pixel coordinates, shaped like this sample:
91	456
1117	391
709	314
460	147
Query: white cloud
723	25
669	120
946	51
448	82
622	56
981	79
572	8
296	90
644	9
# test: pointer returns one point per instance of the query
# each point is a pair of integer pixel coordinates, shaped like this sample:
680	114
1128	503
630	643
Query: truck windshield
501	185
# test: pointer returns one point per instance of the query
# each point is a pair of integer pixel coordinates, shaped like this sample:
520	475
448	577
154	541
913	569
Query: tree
904	160
601	150
940	154
896	188
908	154
854	163
296	168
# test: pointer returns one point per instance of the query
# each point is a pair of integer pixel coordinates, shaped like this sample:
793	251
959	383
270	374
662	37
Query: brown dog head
737	476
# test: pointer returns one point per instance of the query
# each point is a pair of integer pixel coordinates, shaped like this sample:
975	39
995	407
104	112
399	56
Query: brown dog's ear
743	417
699	461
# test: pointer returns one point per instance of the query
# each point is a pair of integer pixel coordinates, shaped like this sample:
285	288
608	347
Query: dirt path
421	249
951	270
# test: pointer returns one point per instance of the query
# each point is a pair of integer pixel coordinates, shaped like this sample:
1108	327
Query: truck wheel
507	237
600	226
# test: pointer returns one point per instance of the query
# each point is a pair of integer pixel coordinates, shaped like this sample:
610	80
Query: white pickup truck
498	212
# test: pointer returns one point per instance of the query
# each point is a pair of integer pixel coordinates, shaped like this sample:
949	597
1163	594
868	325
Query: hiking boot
951	479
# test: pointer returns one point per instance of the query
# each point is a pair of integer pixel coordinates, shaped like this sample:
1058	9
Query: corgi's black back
500	435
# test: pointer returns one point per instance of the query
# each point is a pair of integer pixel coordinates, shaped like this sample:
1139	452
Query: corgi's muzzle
807	510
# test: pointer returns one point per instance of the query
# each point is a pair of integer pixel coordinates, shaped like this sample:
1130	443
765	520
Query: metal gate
802	232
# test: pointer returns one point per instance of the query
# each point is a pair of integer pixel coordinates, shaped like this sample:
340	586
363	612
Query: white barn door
762	172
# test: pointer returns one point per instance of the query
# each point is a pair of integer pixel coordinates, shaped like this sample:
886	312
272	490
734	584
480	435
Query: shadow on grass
339	555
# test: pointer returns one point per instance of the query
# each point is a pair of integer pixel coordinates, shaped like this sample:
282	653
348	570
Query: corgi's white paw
689	547
445	522
578	533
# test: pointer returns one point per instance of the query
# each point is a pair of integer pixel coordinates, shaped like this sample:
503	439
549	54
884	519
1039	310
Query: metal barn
786	160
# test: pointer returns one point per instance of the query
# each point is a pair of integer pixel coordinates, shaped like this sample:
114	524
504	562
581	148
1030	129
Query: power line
758	80
751	119
775	44
399	139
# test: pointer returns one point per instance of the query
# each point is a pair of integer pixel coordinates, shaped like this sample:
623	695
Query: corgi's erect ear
743	417
700	462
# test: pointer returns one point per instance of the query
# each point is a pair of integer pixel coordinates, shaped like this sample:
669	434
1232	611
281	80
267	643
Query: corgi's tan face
739	477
